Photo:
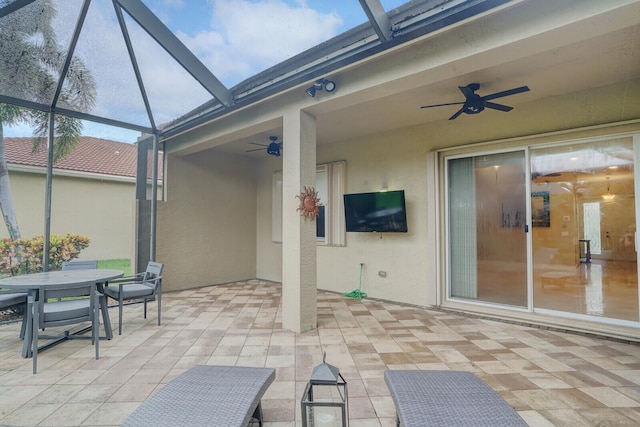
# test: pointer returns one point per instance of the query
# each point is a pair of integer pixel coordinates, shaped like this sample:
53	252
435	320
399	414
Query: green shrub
25	255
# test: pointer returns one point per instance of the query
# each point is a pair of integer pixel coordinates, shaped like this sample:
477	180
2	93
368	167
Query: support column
299	276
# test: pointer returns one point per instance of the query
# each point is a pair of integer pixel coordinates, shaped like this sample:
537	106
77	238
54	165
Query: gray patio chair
83	306
80	265
10	299
145	286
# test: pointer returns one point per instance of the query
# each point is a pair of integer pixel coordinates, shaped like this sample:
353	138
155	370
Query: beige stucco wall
206	229
97	207
401	255
397	158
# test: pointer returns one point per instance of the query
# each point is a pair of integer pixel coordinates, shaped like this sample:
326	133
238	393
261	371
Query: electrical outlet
382	273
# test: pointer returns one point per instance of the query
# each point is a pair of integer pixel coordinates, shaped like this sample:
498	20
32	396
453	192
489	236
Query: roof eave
409	22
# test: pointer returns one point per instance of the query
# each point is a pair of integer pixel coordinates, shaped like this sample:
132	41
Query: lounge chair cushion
204	395
134	290
67	309
448	398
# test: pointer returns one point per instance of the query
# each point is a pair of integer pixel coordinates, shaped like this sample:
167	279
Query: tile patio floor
550	378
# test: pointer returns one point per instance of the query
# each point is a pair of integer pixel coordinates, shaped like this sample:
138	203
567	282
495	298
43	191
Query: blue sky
190	16
238	38
235	39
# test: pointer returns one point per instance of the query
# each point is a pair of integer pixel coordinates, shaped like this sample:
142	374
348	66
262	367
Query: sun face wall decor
309	203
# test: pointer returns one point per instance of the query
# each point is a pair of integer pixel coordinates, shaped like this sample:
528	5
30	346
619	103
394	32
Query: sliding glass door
584	252
486	232
546	229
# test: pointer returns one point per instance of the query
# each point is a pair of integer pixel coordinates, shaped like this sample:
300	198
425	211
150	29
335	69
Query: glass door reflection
584	254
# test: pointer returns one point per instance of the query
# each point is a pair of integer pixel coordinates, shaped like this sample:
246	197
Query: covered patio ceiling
565	70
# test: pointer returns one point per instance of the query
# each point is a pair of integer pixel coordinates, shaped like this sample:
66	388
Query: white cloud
171	91
249	36
243	37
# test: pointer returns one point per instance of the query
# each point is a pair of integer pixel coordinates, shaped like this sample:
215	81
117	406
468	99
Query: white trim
487	304
584	317
71	173
335	230
636	183
276	207
548	319
334	207
559	133
434	249
324	189
529	225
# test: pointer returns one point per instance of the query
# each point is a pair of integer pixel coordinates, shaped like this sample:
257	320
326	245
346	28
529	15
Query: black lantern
324	403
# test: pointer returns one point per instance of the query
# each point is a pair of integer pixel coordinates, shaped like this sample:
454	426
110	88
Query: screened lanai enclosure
511	127
140	68
74	62
105	64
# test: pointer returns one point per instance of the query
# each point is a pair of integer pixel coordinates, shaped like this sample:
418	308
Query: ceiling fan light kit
474	103
273	148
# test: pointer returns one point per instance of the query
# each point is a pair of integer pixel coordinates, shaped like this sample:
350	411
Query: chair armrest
133	279
137	282
12	291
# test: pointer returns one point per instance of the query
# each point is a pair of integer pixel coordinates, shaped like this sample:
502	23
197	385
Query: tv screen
383	212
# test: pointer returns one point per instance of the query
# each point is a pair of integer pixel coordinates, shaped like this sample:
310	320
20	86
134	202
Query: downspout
47	196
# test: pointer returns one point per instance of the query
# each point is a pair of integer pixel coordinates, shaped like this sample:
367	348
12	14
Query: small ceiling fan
273	148
474	103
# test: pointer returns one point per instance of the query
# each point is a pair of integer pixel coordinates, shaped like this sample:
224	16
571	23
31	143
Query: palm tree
30	63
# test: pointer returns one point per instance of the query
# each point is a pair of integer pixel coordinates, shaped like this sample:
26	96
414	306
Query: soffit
587	69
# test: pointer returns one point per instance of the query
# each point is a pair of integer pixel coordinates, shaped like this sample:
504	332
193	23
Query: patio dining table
31	283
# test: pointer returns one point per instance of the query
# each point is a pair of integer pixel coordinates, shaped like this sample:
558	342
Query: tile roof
91	155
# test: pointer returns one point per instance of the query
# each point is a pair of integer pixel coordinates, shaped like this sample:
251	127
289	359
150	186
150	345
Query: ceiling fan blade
256	143
456	114
468	90
442	105
506	93
495	106
257	149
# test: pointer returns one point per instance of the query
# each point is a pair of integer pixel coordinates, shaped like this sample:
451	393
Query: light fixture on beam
321	84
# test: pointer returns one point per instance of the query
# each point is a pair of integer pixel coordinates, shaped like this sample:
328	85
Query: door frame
440	223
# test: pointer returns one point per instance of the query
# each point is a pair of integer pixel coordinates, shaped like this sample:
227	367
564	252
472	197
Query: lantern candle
324	419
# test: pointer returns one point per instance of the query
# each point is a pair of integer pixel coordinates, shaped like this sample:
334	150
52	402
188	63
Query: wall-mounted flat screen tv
383	212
